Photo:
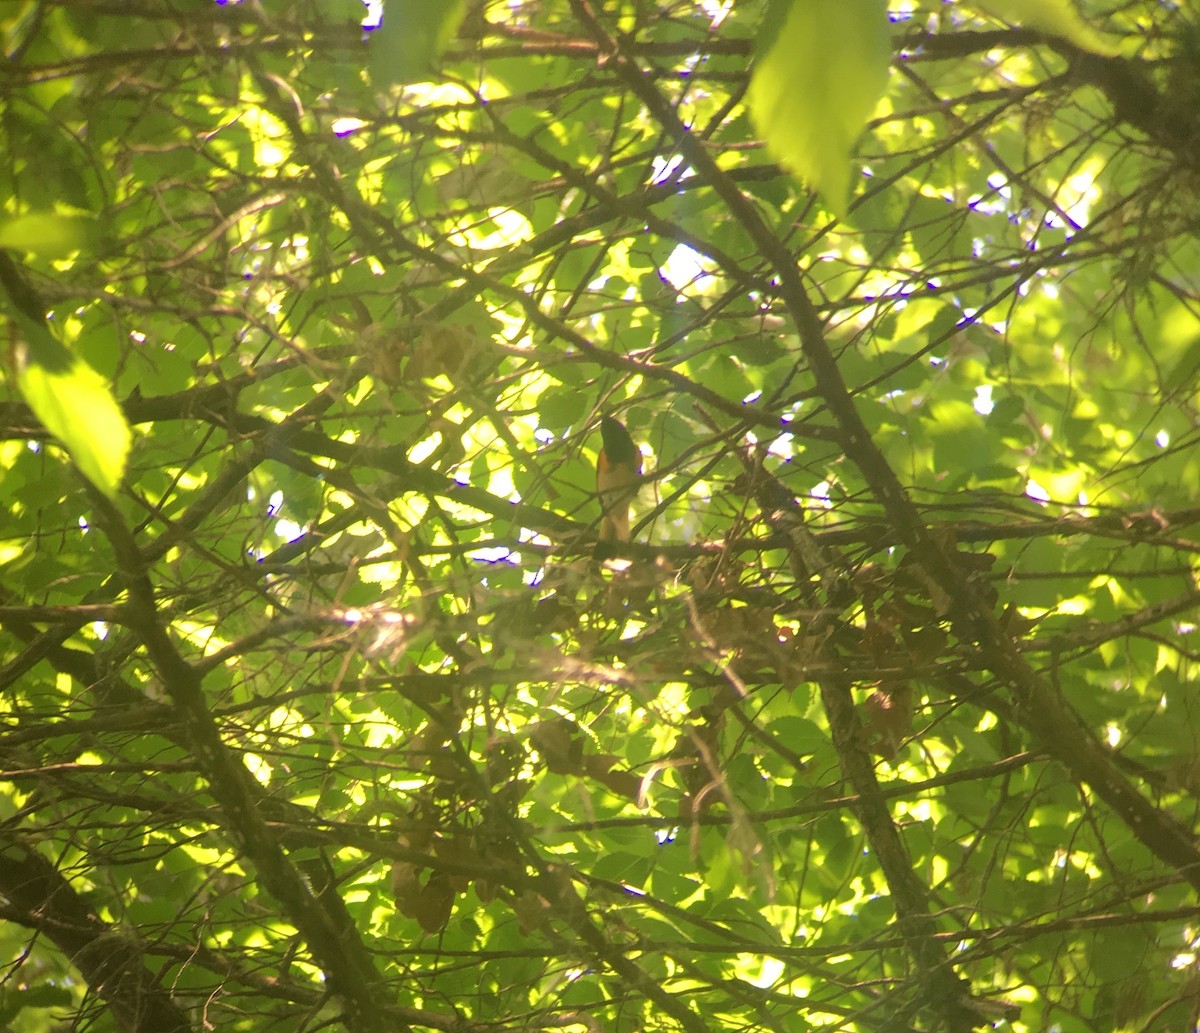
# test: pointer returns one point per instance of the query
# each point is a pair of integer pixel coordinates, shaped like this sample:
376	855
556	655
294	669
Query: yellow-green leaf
406	45
76	405
50	234
1053	17
814	88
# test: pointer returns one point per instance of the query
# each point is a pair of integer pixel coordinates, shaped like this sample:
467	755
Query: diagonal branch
113	964
816	573
336	947
1041	709
945	988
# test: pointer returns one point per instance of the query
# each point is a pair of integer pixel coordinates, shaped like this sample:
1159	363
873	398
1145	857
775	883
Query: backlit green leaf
49	234
1054	17
76	405
812	91
407	44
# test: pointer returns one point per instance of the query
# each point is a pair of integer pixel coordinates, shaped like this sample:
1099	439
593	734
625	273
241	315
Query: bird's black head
617	443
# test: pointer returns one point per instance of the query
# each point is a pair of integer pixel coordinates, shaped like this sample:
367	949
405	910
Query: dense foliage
328	716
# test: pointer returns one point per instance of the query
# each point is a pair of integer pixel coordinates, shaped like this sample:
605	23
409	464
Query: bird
618	468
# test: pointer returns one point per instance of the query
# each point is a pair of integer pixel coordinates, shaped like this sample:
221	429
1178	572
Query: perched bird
618	468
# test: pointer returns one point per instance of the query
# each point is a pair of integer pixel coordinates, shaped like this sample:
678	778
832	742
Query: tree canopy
318	710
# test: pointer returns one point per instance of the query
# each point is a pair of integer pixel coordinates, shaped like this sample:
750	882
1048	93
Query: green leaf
798	735
411	38
14	1001
1053	17
50	234
75	404
558	408
1185	369
814	89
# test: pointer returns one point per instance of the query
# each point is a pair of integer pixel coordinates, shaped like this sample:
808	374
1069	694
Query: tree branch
336	948
112	963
